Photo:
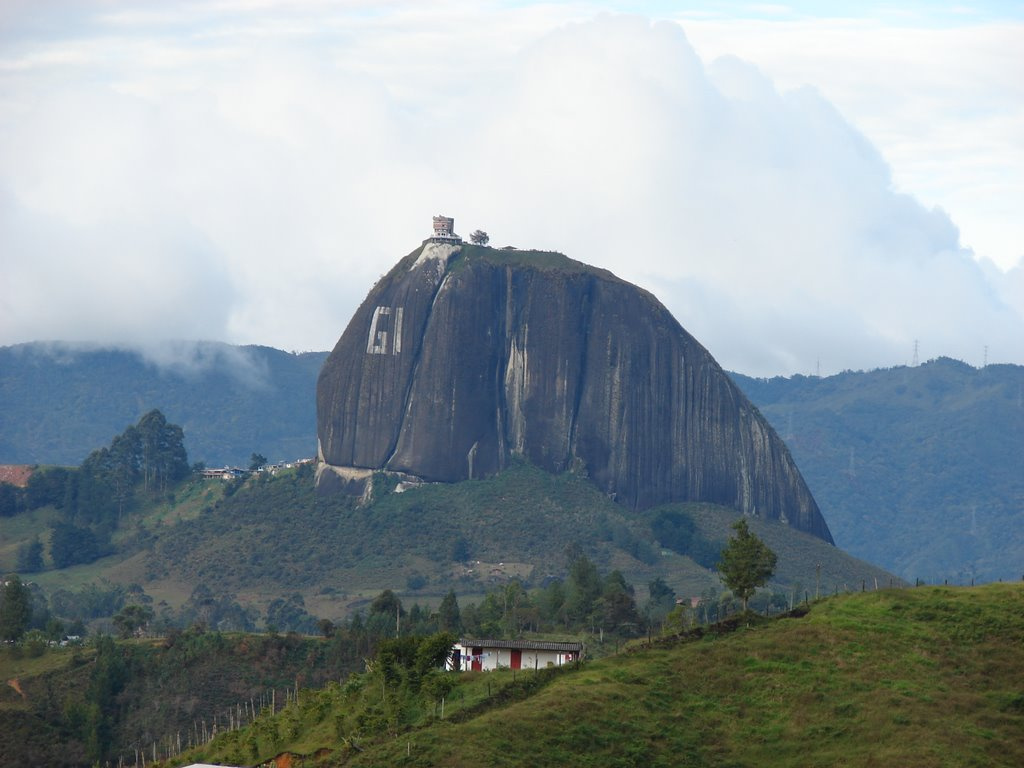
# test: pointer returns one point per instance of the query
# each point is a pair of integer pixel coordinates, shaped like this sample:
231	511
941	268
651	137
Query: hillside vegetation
930	676
920	470
917	469
281	540
81	705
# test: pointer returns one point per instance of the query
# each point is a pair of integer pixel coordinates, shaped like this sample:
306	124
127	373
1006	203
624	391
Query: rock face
463	356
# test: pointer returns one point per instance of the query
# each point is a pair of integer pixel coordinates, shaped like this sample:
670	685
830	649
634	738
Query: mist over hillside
919	470
59	401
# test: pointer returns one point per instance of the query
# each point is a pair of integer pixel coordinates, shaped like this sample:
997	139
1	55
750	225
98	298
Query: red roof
15	474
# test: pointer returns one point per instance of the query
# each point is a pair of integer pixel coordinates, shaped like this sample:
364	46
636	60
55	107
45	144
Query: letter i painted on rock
377	341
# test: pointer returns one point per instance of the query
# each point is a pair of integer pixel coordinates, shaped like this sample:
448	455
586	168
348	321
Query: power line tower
916	361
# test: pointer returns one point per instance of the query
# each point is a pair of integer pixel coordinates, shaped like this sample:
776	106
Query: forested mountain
917	469
58	402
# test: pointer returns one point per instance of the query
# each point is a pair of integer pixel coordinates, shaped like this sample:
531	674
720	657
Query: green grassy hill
928	677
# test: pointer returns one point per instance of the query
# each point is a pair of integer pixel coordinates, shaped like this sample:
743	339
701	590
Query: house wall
501	658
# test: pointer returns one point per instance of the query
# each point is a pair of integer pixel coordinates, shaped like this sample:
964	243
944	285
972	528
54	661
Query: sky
807	191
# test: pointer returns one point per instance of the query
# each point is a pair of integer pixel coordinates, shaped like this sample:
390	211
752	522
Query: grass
21	529
548	261
19	666
910	677
925	677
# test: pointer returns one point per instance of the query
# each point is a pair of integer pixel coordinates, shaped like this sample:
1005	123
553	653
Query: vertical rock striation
463	356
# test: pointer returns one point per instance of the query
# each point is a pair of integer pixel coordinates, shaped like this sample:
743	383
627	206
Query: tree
387	603
460	550
290	614
163	457
15	608
132	618
326	627
673	530
582	588
257	461
617	604
48	486
448	613
97	498
9	500
72	545
746	563
107	679
30	556
479	237
661	602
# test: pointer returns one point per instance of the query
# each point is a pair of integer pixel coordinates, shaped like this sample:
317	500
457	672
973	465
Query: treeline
584	602
144	461
26	621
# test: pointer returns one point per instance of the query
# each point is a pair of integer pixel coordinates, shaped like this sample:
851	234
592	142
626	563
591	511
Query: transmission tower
915	354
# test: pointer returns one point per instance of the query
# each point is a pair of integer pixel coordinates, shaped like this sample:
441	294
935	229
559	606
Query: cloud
247	177
942	100
186	359
765	221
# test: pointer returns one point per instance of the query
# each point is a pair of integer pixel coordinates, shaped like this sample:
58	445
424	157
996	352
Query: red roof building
16	474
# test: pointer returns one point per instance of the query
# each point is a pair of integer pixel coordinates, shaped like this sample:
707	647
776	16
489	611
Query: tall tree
48	486
123	466
582	588
107	679
71	545
15	608
30	556
132	618
164	460
94	500
10	498
746	563
448	613
617	604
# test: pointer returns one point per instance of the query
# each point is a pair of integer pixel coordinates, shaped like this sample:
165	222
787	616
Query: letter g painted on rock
377	341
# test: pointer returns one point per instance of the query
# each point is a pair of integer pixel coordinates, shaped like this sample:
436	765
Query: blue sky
801	188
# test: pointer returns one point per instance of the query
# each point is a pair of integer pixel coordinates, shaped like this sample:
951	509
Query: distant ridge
60	401
937	450
918	468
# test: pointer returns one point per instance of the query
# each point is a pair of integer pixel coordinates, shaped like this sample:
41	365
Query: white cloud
944	103
246	177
